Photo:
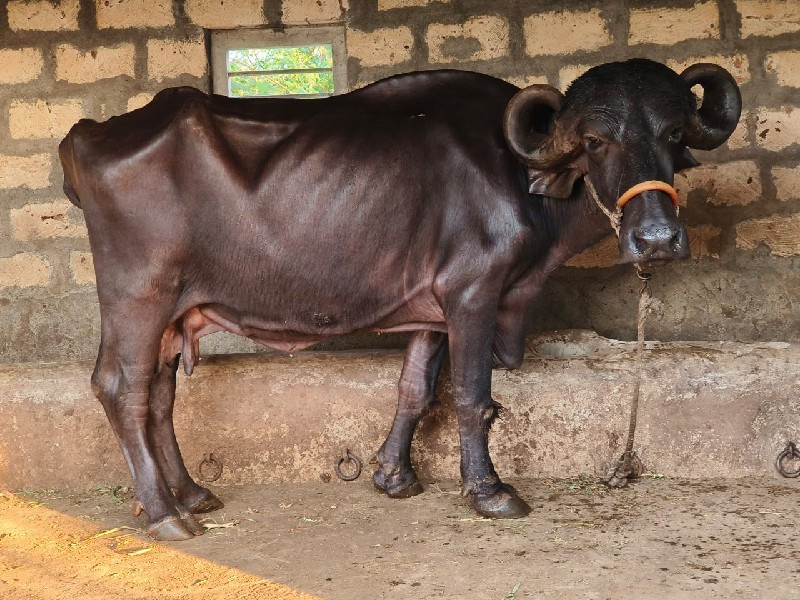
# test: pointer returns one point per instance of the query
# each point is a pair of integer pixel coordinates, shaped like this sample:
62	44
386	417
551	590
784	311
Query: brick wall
64	60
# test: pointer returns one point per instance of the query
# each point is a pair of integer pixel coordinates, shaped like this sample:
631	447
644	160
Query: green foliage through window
281	71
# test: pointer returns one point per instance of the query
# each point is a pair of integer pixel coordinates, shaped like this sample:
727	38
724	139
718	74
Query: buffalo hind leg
471	333
121	381
161	432
423	361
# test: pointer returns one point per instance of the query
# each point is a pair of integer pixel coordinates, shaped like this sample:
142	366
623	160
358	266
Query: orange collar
646	186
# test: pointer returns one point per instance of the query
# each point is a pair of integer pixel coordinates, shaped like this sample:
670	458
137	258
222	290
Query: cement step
708	409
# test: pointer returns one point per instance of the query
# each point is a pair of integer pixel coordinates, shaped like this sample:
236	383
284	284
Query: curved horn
527	120
719	114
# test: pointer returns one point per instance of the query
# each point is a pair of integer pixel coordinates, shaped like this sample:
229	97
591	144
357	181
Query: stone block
32	172
123	14
768	17
77	66
740	137
139	100
777	129
40	220
81	266
305	12
785	66
705	241
787	182
167	59
225	14
478	38
385	46
25	269
43	15
667	26
604	253
728	184
20	66
42	119
781	234
565	32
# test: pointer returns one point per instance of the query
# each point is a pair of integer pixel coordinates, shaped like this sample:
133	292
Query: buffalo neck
567	226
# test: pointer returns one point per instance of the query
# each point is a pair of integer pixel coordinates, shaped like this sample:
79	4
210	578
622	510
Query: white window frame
241	39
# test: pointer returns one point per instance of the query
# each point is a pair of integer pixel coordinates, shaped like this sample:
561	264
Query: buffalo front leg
471	334
424	356
161	432
121	381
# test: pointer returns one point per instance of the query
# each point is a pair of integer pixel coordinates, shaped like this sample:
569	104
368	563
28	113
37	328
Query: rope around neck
614	217
629	466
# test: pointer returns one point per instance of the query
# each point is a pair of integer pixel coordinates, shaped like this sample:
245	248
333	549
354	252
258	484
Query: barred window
305	71
298	62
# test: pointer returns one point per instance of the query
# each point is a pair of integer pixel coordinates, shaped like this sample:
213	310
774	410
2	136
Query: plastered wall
64	60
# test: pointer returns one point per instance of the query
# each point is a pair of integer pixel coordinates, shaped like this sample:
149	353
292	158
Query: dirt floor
660	538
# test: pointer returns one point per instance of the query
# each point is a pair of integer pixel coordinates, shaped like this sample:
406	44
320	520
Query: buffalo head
621	124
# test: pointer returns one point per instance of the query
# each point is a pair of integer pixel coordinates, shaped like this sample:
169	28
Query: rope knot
627	468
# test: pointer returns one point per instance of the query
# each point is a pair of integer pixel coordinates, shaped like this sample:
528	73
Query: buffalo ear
685	160
553	183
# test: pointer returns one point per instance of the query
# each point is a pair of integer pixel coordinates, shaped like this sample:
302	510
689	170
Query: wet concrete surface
660	538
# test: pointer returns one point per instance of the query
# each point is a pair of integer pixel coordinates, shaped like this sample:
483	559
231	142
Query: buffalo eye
676	135
592	143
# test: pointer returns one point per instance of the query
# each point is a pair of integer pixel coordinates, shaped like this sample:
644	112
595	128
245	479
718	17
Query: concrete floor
661	538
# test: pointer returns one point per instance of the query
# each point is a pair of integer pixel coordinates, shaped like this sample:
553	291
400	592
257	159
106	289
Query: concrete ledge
707	409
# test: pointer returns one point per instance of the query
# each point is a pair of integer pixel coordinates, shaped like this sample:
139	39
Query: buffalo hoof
505	503
204	502
397	486
171	529
192	524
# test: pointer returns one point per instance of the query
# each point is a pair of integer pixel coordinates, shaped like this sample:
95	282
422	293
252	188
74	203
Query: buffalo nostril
676	243
656	240
640	241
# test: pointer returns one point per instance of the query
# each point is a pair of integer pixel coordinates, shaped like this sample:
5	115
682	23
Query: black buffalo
435	203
